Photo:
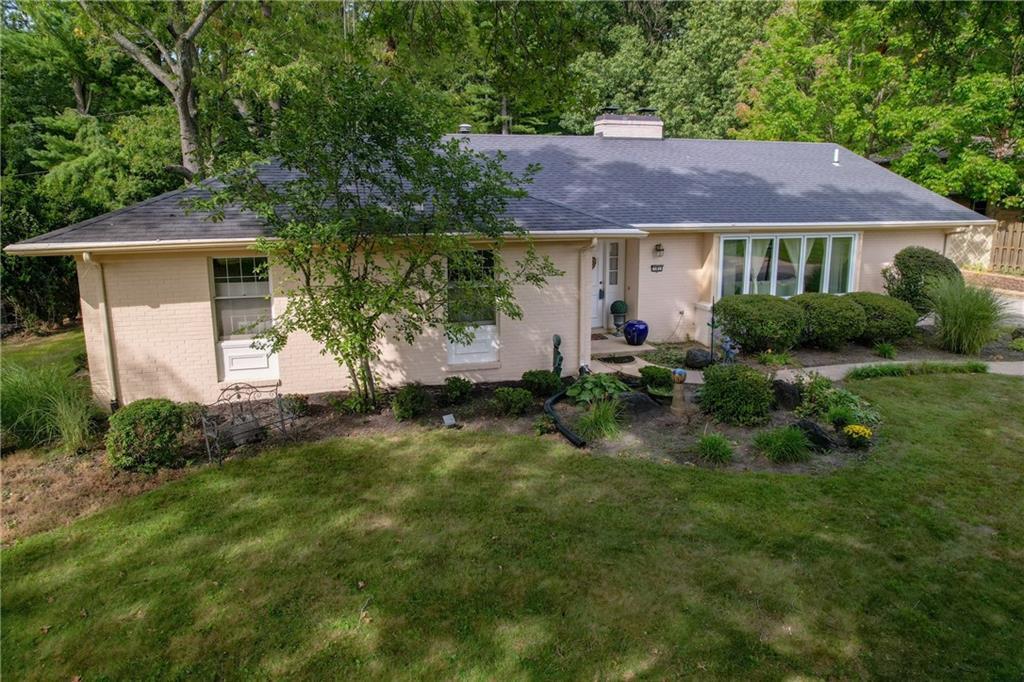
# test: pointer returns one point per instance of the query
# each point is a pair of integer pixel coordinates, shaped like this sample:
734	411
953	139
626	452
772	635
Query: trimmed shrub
512	402
736	394
601	420
887	318
907	277
456	390
893	369
411	401
656	377
782	445
591	387
885	350
147	434
760	322
295	404
830	320
43	406
543	383
966	317
714	448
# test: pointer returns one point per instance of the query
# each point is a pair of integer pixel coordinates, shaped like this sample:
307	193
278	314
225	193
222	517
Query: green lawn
494	557
60	348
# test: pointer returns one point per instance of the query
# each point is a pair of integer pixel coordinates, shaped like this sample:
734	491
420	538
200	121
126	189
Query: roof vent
835	157
465	128
643	125
609	109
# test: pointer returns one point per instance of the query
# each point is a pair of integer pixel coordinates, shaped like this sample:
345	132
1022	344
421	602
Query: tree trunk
189	132
505	128
82	95
368	383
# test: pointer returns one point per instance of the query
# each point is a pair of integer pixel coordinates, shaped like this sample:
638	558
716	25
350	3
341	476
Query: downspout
583	319
105	326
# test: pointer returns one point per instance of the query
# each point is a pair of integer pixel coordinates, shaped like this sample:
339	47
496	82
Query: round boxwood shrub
907	277
411	401
543	383
456	390
736	394
146	434
887	319
830	320
512	402
760	322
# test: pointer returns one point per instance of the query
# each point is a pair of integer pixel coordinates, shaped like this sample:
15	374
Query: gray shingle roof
594	183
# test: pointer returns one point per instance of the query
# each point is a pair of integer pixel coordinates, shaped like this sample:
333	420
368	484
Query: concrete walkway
834	372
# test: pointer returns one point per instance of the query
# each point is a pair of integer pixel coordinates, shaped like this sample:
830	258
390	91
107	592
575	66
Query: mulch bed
994	280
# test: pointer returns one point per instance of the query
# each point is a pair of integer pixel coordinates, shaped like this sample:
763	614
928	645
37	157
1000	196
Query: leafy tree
935	90
380	232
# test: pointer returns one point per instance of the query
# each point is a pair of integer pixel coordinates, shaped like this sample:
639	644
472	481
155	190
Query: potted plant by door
618	310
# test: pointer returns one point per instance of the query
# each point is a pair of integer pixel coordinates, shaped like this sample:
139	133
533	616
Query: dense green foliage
819	398
410	401
884	349
655	377
830	320
887	318
100	109
759	322
456	390
44	406
736	394
910	273
966	317
784	444
591	387
543	383
147	434
512	402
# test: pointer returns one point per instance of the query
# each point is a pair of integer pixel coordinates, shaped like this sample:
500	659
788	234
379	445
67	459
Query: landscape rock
1017	333
637	403
820	439
787	395
697	358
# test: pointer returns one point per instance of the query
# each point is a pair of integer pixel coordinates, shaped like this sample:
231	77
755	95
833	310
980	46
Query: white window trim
237	359
826	263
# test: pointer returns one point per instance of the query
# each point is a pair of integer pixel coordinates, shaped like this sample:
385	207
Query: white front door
607	270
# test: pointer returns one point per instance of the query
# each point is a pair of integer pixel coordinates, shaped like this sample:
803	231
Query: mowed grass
467	555
54	349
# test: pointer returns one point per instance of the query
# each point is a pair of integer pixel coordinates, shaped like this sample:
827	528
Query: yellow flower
857	431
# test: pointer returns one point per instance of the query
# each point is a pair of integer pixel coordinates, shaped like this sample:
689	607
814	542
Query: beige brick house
665	225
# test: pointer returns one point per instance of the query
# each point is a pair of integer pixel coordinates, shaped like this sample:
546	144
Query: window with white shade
786	265
241	290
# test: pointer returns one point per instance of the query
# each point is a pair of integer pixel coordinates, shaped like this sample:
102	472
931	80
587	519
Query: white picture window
471	303
241	291
786	265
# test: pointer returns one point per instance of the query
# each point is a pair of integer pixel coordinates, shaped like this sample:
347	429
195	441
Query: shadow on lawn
476	555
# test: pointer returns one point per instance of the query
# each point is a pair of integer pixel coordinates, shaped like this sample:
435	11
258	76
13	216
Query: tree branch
205	13
169	81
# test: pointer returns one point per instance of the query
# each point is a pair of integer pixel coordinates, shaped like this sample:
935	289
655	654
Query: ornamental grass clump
714	448
601	420
43	406
885	350
736	394
783	445
966	317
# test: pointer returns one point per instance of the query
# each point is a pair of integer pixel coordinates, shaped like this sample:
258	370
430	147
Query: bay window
786	265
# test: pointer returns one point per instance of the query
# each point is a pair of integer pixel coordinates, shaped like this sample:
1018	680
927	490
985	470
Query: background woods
105	104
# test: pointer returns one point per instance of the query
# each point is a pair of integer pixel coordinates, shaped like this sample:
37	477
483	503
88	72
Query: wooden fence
1008	241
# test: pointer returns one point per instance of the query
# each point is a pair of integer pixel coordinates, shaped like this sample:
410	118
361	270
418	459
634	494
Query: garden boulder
1017	333
820	439
698	358
787	395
